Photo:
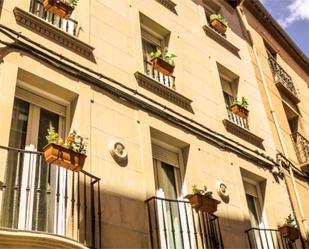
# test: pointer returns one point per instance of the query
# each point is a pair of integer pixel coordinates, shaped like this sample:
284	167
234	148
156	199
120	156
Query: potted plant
163	61
240	107
62	8
218	22
69	153
201	200
289	229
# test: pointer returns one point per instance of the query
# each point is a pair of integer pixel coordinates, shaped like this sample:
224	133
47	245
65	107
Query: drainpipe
245	22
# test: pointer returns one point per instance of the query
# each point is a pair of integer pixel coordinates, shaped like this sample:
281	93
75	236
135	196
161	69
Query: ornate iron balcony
269	239
281	75
173	224
38	196
69	26
301	145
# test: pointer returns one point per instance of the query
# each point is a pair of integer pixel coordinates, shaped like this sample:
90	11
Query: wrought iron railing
69	26
269	239
168	81
281	75
242	122
173	224
38	196
301	145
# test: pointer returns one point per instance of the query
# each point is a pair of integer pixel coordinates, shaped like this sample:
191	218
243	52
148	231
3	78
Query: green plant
203	191
290	221
242	102
73	141
72	3
164	55
218	17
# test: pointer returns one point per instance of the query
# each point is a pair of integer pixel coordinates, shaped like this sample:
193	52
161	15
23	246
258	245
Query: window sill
243	133
163	91
168	4
38	25
220	39
280	85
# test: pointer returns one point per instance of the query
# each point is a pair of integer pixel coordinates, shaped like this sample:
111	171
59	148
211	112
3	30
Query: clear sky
293	15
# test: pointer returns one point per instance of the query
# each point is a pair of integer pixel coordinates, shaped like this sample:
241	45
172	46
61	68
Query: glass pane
19	124
46	177
166	181
46	118
148	47
254	218
14	167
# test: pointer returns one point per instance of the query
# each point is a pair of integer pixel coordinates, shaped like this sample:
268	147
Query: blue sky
293	15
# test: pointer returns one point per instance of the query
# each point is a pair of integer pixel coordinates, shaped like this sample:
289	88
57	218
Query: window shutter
165	155
40	101
250	189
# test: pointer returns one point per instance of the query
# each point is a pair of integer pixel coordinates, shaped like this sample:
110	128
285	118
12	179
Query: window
154	37
23	208
270	51
167	180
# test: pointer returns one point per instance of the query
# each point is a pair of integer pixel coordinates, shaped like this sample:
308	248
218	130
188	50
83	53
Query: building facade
151	135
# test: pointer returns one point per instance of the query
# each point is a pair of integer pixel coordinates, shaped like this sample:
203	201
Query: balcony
173	224
168	81
301	145
269	239
241	122
46	200
69	26
283	80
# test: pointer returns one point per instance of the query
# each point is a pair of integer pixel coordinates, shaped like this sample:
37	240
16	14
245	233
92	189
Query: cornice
53	33
163	91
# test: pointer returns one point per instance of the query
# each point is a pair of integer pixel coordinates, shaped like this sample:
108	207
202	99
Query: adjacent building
151	134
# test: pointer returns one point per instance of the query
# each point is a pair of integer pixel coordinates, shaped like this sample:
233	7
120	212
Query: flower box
218	26
203	203
162	66
60	8
240	110
66	158
289	232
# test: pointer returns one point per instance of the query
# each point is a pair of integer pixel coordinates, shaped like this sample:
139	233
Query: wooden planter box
64	157
59	8
219	26
162	66
289	232
240	110
203	203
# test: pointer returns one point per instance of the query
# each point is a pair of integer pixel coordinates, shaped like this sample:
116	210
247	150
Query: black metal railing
173	224
242	122
269	239
281	75
38	196
69	26
168	81
301	145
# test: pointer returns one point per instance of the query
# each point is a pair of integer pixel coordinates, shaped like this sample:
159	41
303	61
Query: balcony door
31	183
167	179
263	239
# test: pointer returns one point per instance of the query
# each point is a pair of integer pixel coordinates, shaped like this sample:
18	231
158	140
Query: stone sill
53	33
163	91
169	4
220	39
305	167
243	133
280	85
10	238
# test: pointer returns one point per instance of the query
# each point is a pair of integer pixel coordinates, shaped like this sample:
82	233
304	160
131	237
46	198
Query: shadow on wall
1	5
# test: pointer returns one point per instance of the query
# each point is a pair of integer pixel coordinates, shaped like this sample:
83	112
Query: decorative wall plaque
222	190
119	152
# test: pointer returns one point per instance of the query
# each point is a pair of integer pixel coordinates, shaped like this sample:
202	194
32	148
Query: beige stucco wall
300	77
113	29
